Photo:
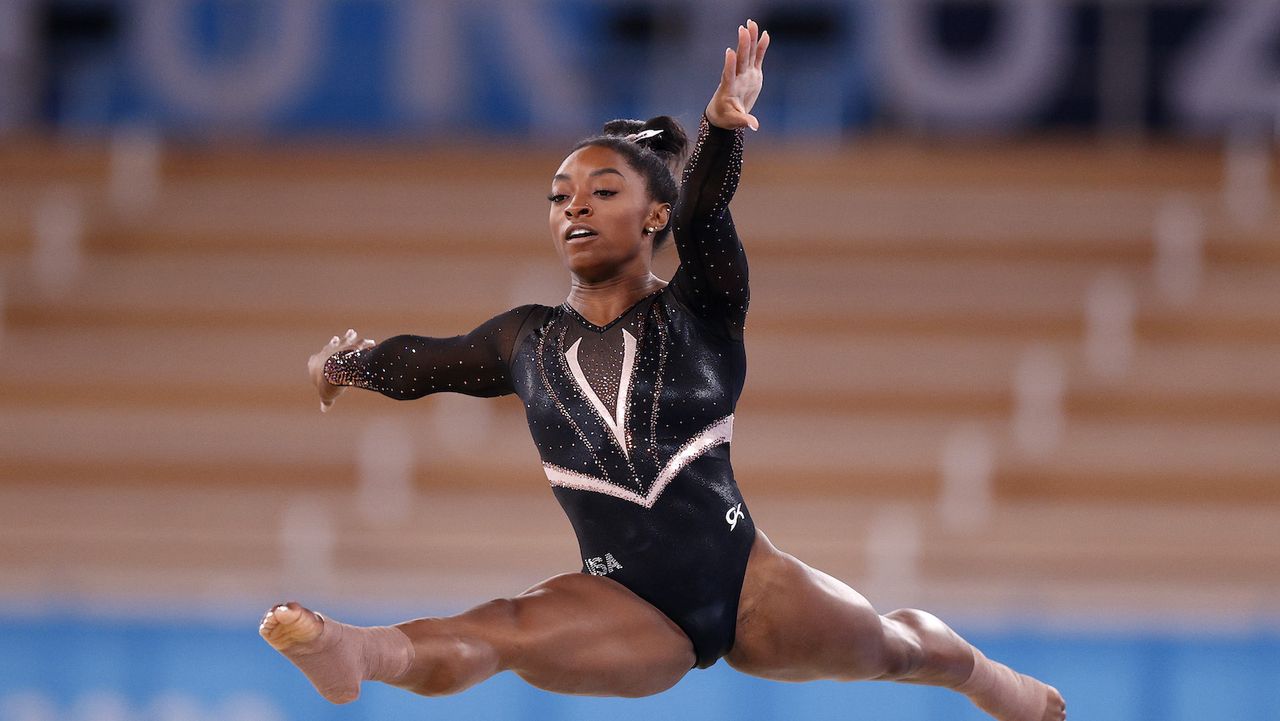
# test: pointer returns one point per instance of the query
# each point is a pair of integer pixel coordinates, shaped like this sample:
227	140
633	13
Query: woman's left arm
740	81
712	280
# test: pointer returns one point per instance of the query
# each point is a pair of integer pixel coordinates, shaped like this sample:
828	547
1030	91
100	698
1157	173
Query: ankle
981	678
387	653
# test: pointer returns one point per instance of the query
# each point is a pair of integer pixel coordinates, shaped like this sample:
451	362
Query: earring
649	231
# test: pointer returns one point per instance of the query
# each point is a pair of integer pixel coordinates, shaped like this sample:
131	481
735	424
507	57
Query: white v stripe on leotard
617	422
713	435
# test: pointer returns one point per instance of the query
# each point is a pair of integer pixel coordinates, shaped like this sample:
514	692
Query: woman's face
600	208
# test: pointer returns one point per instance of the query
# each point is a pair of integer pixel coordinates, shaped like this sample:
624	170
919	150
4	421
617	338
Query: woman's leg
573	633
798	624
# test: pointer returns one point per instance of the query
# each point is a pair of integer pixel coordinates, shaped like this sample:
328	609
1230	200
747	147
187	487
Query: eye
603	193
557	198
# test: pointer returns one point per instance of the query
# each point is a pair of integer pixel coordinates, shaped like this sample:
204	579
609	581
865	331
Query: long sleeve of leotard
712	279
406	367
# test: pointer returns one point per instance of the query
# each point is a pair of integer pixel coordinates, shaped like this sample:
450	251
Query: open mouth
579	232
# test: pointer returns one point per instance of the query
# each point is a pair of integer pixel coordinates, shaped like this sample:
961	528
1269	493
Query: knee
916	621
935	646
905	631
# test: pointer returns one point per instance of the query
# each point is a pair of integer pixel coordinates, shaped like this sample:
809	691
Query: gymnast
629	388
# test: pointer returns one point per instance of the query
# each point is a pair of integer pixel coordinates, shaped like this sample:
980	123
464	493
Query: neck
602	301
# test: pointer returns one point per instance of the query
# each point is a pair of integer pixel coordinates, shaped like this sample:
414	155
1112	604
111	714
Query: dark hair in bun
671	142
657	158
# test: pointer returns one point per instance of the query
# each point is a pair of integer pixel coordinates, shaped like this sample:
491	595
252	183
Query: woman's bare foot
334	656
1008	695
289	624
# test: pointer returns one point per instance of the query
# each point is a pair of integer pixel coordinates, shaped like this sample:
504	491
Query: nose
577	209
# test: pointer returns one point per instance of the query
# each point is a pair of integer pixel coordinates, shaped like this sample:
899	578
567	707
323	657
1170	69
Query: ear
659	216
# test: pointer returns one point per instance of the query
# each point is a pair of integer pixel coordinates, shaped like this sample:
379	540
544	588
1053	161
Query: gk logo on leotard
602	566
733	515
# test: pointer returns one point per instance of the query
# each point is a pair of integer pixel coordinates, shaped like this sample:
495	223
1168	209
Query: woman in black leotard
629	388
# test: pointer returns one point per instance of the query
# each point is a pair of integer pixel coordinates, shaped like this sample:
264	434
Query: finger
730	63
752	122
763	46
324	407
744	49
368	343
350	340
754	30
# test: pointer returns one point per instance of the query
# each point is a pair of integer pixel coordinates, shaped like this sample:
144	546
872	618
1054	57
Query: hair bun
671	141
622	127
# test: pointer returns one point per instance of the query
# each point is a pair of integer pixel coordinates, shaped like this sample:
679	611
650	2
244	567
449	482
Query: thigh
582	634
796	623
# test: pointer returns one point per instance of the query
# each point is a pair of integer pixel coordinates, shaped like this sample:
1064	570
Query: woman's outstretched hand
315	365
730	107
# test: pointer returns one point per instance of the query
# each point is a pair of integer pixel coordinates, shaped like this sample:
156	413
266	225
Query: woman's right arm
406	367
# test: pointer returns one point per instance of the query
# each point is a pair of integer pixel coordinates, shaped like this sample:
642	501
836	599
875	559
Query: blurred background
1013	346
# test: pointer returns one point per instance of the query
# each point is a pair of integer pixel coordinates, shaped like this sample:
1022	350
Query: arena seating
159	423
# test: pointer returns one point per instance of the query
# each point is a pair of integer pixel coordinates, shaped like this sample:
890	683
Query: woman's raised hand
730	107
315	365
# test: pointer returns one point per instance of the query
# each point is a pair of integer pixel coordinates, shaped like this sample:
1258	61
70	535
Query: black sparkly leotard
633	420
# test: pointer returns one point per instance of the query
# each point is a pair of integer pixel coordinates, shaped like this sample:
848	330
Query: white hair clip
644	135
